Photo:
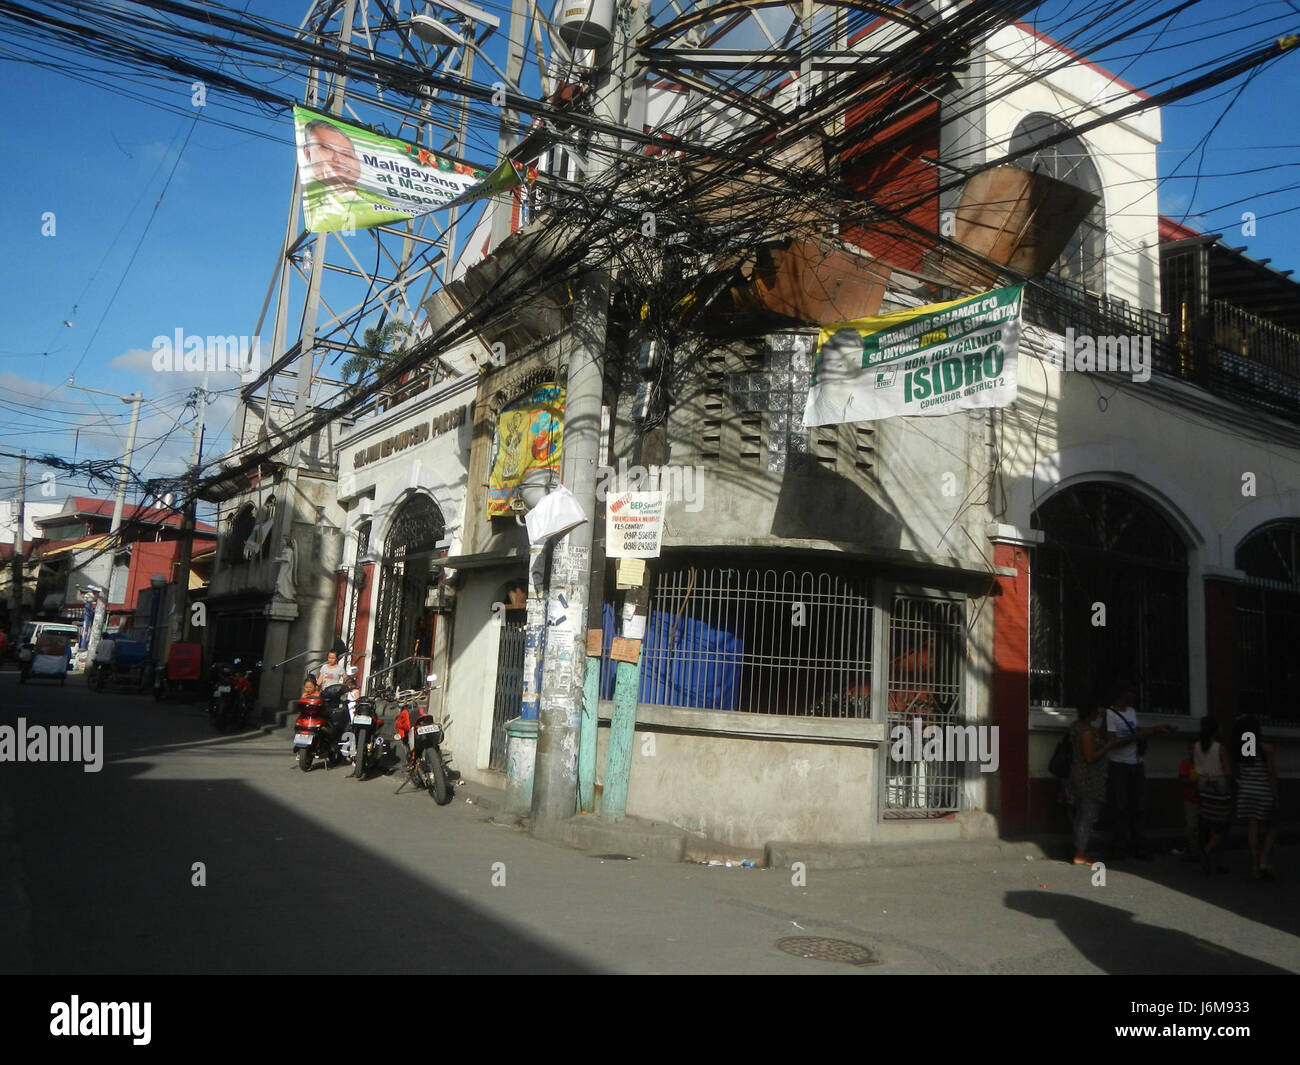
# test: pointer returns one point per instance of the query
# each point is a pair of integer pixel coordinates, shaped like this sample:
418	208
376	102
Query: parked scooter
234	695
423	736
318	729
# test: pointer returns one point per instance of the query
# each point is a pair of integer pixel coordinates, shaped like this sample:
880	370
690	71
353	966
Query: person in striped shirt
1257	793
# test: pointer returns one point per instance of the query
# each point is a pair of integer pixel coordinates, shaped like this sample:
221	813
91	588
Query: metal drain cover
823	949
613	857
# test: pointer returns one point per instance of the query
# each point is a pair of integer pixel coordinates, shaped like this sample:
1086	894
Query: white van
34	630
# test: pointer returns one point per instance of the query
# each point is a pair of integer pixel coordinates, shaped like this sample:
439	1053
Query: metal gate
510	683
406	574
927	652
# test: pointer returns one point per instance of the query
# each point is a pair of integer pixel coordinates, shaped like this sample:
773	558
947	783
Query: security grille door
927	652
404	585
510	683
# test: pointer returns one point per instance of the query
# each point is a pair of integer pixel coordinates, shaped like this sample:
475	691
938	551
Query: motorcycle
423	735
234	695
368	745
317	732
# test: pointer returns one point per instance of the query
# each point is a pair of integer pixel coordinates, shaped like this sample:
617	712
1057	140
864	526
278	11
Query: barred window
755	640
1109	557
1268	623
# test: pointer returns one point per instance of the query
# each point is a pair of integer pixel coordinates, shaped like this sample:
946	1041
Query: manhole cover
613	857
823	949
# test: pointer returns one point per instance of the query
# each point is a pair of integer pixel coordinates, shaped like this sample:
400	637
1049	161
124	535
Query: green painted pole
622	733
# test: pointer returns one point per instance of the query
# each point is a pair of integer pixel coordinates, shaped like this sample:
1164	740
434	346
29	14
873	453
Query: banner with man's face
354	179
927	360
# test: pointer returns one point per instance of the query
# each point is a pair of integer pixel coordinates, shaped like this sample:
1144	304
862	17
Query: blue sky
99	162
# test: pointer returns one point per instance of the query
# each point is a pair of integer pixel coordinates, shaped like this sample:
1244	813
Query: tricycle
47	658
119	659
184	670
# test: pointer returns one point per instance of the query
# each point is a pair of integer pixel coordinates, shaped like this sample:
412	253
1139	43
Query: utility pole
555	774
101	604
188	521
16	614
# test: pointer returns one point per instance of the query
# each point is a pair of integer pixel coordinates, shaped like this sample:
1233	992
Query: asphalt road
318	872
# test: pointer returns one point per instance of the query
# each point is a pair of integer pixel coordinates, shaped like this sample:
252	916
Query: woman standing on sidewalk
1257	793
1088	771
1210	763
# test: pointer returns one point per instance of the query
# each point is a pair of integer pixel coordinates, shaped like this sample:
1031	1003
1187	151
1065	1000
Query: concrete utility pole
555	774
190	516
16	613
119	503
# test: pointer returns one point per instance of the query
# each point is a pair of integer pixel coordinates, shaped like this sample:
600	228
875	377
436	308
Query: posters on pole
929	360
529	439
634	525
354	179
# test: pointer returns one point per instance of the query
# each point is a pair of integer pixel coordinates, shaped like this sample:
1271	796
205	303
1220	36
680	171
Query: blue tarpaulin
684	662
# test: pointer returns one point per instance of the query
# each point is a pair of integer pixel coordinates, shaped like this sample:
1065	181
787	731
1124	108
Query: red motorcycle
234	695
316	731
423	735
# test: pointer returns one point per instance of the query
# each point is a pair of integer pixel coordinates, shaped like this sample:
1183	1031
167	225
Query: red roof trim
1171	230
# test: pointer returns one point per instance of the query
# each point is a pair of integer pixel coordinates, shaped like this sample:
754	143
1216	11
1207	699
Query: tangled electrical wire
680	212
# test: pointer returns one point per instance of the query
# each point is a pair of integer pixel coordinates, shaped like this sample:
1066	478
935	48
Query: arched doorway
1268	623
1108	600
404	625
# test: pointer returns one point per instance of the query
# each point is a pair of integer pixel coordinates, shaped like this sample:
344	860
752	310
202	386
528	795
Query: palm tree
375	351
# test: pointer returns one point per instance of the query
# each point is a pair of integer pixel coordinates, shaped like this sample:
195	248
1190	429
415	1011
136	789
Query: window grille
730	639
927	654
1106	547
358	584
1268	624
406	573
509	684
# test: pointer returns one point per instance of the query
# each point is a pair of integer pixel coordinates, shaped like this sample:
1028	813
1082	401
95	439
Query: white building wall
1179	448
1123	151
375	491
31	512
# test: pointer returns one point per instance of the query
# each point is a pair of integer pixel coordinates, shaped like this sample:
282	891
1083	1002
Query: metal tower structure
423	73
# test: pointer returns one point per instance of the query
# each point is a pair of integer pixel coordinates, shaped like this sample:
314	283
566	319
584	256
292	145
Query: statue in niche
286	577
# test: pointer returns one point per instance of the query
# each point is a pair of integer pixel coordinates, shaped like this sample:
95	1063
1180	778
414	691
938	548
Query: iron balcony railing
1238	356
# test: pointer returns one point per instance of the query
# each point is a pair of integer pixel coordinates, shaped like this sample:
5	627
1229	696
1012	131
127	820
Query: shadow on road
107	868
1114	941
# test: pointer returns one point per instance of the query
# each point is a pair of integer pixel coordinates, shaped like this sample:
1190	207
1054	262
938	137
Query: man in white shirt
1126	781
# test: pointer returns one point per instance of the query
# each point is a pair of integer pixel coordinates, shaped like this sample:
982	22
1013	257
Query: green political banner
925	361
355	179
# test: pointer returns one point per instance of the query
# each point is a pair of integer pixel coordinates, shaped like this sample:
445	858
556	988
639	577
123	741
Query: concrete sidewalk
641	838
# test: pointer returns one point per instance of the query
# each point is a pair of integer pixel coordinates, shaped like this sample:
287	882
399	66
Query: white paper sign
634	525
